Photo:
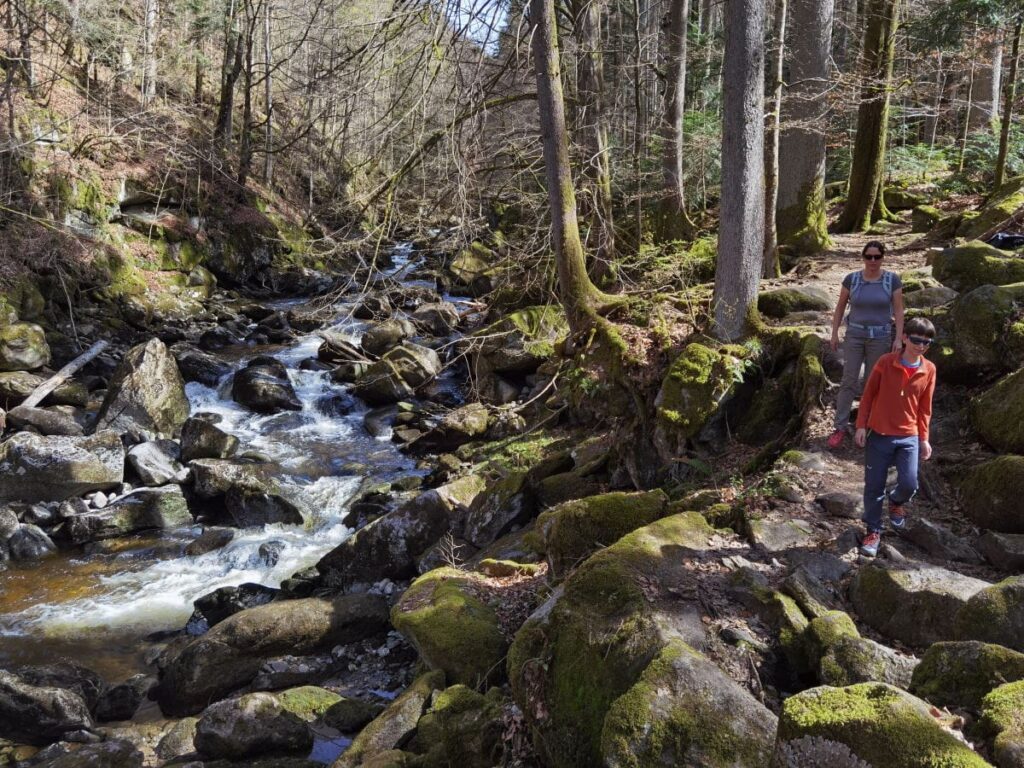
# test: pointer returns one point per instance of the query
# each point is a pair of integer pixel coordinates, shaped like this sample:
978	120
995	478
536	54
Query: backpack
857	281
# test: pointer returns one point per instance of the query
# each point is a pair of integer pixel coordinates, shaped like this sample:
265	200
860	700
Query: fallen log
39	393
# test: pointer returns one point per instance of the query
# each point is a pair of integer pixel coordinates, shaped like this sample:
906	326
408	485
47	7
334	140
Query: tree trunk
741	233
268	97
149	32
931	122
576	291
1011	95
230	72
868	162
245	149
594	129
673	221
800	210
23	22
985	88
771	266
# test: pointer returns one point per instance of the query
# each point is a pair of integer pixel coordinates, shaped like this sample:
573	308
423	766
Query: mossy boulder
990	493
23	347
924	218
591	641
1000	206
519	342
146	392
995	615
962	673
684	711
897	199
444	616
985	337
912	602
462	728
780	302
771	408
474	268
395	725
307	702
850	660
879	723
974	264
505	504
695	387
37	468
253	725
350	715
998	415
572	531
826	630
1002	716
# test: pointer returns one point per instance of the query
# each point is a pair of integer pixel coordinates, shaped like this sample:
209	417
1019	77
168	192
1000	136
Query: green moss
995	615
999	207
499	569
463	728
961	674
973	264
308	701
696	383
825	631
925	218
803	226
575	529
998	414
850	660
780	302
638	732
991	493
879	723
771	408
452	628
1002	716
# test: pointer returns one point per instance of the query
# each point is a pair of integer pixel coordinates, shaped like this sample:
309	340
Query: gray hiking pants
858	352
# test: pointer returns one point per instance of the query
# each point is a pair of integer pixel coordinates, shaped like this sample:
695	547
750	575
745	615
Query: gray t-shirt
870	304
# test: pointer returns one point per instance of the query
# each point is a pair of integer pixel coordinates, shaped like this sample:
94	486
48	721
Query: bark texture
985	87
576	290
800	209
868	164
741	236
1011	95
673	221
772	267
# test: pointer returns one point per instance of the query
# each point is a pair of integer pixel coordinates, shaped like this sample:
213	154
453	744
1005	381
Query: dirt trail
842	470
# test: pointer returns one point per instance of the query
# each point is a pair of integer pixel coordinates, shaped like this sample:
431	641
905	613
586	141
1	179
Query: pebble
98	500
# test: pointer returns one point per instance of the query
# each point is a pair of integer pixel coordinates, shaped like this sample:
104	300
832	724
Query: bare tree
800	211
674	223
772	267
741	230
864	198
1011	95
149	33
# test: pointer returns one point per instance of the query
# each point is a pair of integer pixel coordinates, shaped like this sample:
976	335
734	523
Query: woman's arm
837	317
897	309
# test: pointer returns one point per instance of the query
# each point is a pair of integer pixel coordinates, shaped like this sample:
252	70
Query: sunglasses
874	256
920	341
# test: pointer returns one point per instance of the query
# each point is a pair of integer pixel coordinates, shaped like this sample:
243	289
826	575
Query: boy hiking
892	427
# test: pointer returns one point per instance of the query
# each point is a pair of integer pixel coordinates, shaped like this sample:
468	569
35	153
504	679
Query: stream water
97	607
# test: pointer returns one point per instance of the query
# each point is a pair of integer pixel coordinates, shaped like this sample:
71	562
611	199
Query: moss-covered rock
1002	716
912	602
929	297
395	725
574	530
307	702
350	715
924	218
879	723
696	385
973	264
462	728
453	629
825	631
519	342
985	336
897	199
252	725
685	711
146	392
1000	206
995	615
474	268
998	415
23	347
990	493
590	642
962	673
780	302
771	408
851	660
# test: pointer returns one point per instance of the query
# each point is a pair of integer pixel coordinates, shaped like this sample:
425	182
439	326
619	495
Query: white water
314	449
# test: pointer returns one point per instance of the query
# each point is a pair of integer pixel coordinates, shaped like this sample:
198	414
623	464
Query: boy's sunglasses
921	341
874	256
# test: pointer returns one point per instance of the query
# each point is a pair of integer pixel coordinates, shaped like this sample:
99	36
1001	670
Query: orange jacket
895	404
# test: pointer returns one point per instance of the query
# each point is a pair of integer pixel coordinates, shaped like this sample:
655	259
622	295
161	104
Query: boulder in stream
263	386
156	463
23	347
196	365
30	542
230	655
37	468
211	609
146	393
39	715
201	439
385	336
140	510
253	725
46	421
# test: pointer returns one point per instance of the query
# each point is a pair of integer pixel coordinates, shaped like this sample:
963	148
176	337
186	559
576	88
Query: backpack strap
856	278
887	283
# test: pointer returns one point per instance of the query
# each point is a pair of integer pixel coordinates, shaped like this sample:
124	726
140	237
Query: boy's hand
861	437
926	450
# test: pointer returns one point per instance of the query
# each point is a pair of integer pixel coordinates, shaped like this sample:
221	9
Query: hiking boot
897	517
835	440
869	544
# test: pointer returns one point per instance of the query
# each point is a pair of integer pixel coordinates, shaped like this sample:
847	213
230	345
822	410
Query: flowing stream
98	607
